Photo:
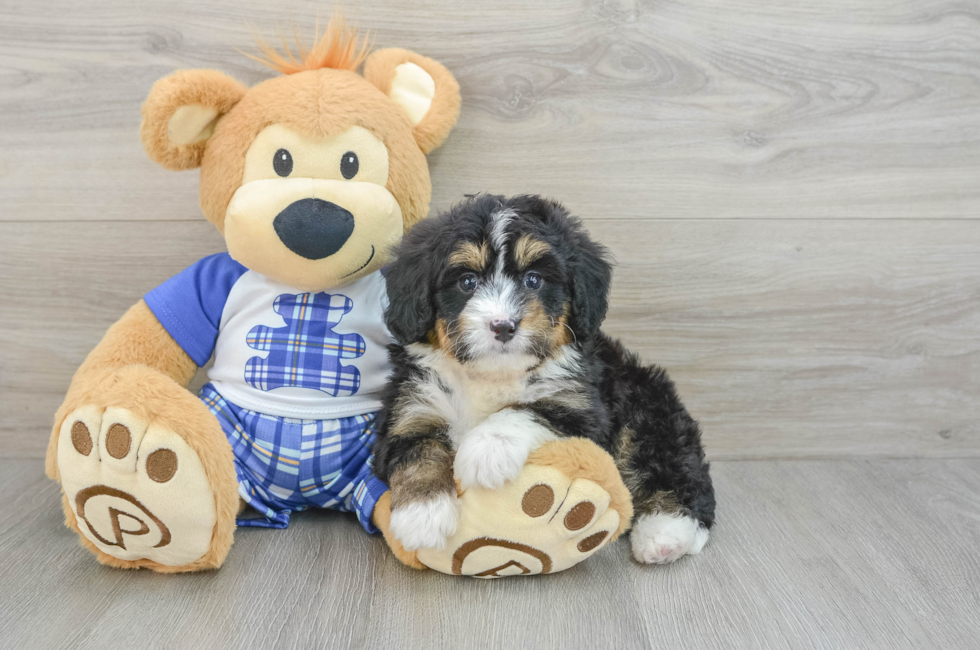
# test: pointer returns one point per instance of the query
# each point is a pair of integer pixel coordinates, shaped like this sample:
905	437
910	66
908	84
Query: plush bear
312	177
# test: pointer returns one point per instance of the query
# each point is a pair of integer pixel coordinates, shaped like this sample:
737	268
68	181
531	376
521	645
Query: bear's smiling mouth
370	257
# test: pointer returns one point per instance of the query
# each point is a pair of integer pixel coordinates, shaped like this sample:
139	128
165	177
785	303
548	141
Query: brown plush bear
312	177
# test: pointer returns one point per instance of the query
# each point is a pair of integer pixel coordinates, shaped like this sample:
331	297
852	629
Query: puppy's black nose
313	228
504	329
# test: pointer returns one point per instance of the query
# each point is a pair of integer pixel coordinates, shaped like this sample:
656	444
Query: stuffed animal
312	177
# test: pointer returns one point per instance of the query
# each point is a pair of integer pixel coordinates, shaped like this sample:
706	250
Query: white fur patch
464	395
495	452
495	299
663	538
498	231
425	524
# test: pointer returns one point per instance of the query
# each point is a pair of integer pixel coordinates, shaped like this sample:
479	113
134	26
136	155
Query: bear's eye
533	280
349	165
282	162
468	283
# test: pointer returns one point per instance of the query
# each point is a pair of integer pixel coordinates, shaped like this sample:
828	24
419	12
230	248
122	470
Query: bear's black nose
313	228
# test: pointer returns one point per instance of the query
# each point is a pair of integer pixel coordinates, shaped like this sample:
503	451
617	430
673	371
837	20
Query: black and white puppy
496	306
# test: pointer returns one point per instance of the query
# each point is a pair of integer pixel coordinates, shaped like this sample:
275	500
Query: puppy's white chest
481	395
464	396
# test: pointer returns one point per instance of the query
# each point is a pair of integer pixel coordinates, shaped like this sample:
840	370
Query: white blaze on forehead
499	289
498	232
496	298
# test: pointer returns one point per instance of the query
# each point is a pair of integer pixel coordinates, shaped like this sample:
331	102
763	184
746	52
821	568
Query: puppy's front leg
424	509
495	451
413	455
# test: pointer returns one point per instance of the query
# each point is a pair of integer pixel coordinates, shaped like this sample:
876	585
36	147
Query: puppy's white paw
425	524
494	453
663	538
489	459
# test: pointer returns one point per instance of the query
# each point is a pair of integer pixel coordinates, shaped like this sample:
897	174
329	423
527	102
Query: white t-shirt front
279	351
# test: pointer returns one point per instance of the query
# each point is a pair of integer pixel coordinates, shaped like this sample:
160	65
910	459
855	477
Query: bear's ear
181	112
424	89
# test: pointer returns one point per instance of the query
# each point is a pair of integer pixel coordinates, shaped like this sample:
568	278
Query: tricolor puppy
496	306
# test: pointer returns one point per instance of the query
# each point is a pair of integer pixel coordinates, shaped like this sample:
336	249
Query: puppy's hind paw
664	538
425	524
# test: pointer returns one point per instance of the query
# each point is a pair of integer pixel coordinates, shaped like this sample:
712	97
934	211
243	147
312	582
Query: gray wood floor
806	554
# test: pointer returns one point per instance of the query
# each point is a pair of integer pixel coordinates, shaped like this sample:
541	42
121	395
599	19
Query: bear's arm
139	338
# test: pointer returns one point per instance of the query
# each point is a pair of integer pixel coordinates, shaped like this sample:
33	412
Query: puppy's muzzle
314	228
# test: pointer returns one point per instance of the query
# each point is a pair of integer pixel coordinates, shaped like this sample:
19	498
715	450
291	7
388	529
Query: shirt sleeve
189	305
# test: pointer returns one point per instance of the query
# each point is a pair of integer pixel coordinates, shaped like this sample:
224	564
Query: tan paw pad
137	491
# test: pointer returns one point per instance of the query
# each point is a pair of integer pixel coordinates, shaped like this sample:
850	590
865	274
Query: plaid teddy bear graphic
306	353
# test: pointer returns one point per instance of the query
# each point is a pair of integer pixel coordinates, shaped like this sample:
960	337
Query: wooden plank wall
791	191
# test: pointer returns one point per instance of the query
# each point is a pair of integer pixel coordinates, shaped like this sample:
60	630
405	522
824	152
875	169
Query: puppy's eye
533	280
349	165
282	162
468	283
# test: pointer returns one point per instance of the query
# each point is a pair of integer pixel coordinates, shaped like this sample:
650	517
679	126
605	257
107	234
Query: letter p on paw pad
137	492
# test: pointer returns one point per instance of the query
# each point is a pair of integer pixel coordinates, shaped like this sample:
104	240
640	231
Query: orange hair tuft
338	47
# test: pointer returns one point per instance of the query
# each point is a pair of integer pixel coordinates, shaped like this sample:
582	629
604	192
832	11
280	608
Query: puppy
496	307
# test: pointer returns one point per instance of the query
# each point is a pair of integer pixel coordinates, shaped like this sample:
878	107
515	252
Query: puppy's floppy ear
591	277
590	270
425	90
180	114
410	279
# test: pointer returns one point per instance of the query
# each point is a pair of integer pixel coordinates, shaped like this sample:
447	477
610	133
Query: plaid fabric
306	352
286	465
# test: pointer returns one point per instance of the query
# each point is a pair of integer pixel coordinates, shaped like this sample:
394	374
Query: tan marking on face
439	336
542	327
536	321
528	250
449	341
471	256
433	338
563	333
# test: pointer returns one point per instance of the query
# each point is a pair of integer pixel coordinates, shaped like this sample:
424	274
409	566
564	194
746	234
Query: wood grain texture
805	554
786	338
790	190
628	108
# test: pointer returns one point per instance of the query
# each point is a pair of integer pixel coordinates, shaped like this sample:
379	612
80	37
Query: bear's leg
382	519
147	474
567	503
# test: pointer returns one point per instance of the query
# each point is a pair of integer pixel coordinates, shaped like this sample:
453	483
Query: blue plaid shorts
286	465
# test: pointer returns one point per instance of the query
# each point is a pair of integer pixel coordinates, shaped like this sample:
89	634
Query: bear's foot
137	491
149	486
567	503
